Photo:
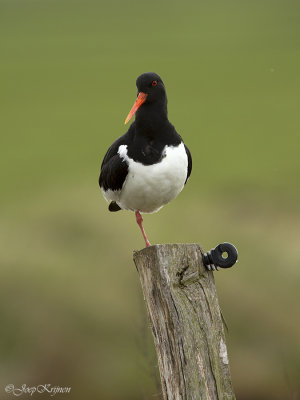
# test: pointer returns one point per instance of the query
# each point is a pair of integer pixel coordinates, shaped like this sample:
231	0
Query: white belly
148	187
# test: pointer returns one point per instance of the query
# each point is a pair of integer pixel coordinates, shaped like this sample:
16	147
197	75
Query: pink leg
139	220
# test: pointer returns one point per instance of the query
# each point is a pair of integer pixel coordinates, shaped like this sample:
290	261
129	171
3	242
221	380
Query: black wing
114	169
189	156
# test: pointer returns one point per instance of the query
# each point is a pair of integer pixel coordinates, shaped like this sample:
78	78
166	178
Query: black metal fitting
215	259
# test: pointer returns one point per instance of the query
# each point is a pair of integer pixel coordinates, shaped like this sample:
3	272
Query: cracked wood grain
186	322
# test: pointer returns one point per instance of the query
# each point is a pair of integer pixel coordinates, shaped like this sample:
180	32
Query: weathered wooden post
186	322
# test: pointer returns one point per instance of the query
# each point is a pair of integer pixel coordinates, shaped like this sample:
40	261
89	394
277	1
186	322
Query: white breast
148	187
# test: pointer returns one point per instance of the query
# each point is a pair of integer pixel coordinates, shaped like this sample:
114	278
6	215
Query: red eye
154	83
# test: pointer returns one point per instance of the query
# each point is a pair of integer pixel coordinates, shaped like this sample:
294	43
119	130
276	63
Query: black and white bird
149	165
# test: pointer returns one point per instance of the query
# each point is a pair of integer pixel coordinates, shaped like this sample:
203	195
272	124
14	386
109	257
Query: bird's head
150	89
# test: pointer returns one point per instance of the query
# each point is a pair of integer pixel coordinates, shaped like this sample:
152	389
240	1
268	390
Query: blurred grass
71	308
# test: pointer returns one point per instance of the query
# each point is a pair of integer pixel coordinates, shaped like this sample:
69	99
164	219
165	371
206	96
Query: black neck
151	117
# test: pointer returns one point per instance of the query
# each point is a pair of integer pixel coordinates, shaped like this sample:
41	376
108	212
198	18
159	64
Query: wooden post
186	322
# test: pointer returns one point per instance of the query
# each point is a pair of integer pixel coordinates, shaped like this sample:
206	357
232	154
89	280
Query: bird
149	165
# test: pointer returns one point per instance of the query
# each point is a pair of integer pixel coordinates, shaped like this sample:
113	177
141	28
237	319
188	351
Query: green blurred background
71	308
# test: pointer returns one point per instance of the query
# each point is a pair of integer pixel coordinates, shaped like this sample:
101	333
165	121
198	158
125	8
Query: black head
152	85
151	93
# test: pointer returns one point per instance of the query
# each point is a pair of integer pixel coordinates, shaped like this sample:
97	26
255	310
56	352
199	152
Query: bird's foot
139	220
148	244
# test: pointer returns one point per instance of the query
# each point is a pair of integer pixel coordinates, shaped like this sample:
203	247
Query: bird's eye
154	83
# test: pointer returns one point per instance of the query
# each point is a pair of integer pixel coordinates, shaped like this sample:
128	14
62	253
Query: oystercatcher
149	165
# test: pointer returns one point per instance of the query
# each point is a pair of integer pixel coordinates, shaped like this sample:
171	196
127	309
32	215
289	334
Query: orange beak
139	101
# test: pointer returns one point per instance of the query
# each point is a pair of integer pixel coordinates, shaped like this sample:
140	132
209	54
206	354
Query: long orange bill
139	101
